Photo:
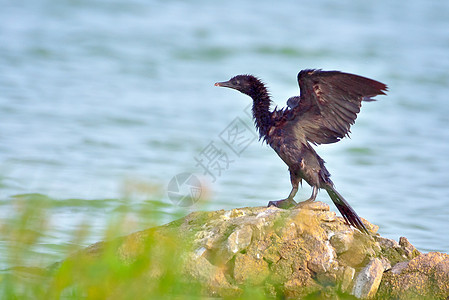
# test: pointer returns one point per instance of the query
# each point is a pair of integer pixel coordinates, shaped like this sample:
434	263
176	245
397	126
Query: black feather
323	113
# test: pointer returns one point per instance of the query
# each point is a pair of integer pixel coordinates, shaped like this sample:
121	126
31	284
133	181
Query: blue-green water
109	99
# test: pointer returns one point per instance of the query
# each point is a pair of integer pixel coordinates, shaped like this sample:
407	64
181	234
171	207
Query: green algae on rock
285	253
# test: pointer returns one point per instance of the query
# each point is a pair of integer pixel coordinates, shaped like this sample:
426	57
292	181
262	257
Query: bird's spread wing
329	102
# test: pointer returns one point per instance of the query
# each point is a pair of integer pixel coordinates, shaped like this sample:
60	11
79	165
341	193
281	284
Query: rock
249	269
425	263
360	249
440	276
409	249
385	263
368	280
341	241
286	253
425	276
281	271
240	239
395	251
346	281
300	284
316	205
200	269
399	267
322	258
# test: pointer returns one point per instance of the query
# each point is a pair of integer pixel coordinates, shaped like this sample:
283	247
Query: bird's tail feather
345	209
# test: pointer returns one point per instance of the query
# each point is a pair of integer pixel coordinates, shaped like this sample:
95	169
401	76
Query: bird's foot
304	203
285	203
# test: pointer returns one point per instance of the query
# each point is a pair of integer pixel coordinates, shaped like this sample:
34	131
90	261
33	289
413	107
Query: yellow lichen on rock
287	253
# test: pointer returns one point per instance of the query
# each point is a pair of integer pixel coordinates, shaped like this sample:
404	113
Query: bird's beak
227	84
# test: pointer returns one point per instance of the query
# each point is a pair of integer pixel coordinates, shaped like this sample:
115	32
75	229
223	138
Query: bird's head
246	84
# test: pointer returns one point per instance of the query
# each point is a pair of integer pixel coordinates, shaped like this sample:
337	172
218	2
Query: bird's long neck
261	108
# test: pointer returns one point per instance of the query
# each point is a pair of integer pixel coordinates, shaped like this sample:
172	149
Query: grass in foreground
155	272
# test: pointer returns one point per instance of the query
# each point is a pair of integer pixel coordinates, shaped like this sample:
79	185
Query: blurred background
103	102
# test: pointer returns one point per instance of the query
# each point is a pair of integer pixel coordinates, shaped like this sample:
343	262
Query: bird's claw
284	203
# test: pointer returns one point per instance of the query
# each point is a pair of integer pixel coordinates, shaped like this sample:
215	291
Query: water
111	99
